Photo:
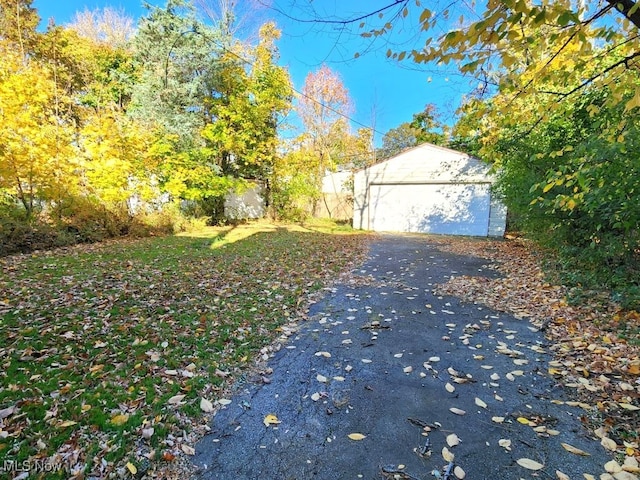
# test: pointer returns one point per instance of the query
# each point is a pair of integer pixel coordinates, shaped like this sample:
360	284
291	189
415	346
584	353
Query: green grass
98	338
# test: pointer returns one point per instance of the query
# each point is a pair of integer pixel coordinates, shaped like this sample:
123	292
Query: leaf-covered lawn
108	350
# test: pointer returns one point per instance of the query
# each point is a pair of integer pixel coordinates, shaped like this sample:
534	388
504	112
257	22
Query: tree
397	139
324	106
18	23
234	19
428	128
35	147
250	96
106	26
173	53
424	127
116	164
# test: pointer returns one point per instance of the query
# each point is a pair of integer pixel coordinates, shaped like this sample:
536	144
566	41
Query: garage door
452	209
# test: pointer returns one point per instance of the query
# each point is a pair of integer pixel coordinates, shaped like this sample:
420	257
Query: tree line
110	128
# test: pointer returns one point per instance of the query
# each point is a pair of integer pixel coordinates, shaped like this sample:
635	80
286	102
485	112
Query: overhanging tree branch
337	22
622	61
629	9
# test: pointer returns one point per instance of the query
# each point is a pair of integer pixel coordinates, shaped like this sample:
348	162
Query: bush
573	190
83	220
21	236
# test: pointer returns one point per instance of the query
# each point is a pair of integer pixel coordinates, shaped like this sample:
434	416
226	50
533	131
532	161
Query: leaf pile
597	354
111	353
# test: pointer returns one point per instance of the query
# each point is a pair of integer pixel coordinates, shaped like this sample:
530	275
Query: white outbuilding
428	189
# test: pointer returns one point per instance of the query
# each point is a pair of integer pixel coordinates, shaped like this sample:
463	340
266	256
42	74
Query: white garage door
452	209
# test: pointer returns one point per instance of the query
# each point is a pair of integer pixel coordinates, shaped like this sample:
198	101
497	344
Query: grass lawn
107	350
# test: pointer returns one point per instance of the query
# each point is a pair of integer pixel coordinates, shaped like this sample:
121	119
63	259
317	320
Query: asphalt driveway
387	380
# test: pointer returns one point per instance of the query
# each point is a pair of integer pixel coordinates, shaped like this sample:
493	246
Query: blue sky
385	93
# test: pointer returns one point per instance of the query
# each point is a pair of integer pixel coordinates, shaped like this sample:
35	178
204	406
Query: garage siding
428	189
459	209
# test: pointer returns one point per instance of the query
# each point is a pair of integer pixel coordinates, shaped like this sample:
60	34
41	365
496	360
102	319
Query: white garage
428	189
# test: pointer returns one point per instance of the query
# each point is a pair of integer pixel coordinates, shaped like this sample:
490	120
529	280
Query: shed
336	201
428	189
246	203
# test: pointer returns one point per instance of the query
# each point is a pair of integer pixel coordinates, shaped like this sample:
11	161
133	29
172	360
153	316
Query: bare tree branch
338	22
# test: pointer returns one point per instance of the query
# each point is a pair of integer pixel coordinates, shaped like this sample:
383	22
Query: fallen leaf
624	475
609	444
505	443
148	432
323	354
612	467
119	419
447	455
628	406
562	476
523	420
70	423
5	412
453	440
188	450
631	464
206	406
497	419
356	436
315	396
132	468
449	388
168	456
529	464
322	378
408	369
457	411
459	472
572	449
224	401
176	400
270	419
480	403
